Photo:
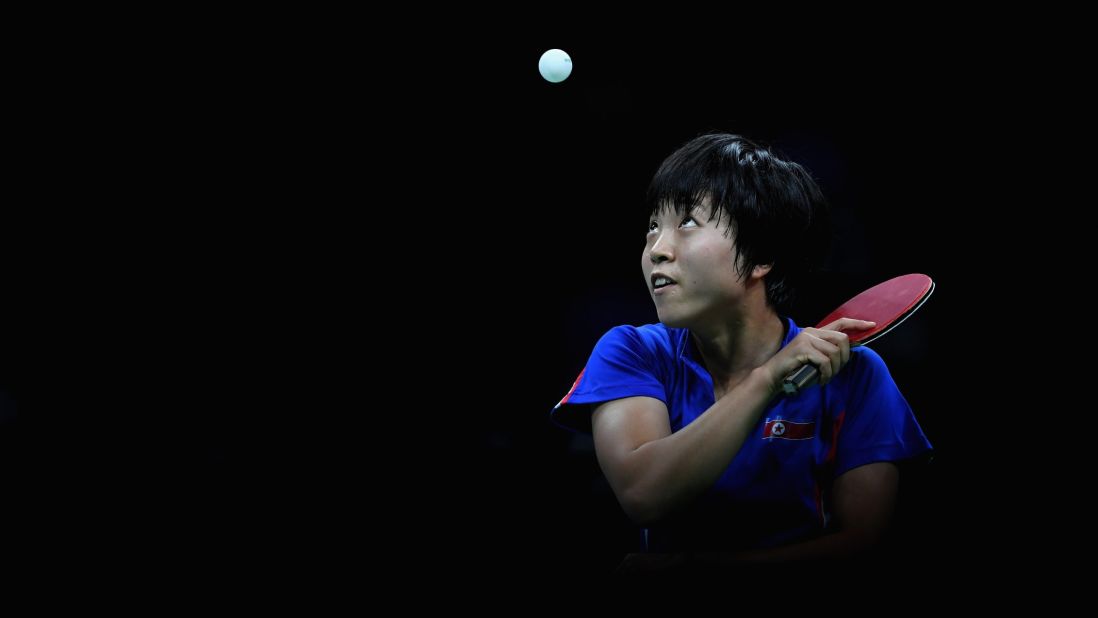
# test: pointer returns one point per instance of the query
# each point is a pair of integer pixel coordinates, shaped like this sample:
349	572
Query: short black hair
778	215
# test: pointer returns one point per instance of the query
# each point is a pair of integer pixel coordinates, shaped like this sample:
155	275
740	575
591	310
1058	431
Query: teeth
661	281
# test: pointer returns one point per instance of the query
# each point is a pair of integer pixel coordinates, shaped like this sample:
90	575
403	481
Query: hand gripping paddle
887	304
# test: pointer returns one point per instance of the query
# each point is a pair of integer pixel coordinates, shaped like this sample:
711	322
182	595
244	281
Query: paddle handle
800	378
805	376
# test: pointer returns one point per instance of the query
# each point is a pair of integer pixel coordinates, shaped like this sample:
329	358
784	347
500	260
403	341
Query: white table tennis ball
555	65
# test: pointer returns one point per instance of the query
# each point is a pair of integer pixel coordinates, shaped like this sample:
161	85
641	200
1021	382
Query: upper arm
622	426
879	425
864	498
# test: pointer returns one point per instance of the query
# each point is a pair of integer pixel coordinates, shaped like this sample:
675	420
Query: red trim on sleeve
571	390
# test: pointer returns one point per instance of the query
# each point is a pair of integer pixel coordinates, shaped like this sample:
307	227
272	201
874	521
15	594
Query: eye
652	225
688	222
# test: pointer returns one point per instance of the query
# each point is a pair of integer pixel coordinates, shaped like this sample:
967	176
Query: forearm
674	470
863	498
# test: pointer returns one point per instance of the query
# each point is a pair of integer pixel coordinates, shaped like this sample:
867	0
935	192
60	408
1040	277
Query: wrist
765	379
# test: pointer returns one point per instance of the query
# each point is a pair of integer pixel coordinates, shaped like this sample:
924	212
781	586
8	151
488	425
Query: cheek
717	269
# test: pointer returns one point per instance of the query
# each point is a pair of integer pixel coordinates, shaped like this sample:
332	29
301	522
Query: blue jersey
776	490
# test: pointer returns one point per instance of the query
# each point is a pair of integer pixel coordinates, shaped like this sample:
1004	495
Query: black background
936	160
275	296
551	255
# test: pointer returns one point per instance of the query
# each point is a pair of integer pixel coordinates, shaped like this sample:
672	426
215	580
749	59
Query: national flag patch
788	430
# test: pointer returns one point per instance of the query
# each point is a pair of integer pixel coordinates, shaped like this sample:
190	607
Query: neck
734	348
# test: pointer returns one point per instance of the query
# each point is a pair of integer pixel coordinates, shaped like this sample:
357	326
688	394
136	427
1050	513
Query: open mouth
661	283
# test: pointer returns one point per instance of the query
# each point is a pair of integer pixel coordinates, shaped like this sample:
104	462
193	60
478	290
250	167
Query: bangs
685	184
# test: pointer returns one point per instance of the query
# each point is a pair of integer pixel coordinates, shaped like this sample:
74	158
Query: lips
660	281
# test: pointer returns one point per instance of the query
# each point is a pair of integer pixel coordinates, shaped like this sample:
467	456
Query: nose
661	250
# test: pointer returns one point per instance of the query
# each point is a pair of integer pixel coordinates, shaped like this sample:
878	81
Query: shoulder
628	361
866	377
649	339
866	364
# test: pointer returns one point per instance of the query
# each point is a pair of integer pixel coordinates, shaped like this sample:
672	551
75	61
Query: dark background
945	159
272	296
552	255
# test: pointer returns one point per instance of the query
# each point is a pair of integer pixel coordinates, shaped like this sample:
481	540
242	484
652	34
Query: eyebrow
700	210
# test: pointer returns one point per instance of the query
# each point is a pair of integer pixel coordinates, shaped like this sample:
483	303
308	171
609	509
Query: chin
671	320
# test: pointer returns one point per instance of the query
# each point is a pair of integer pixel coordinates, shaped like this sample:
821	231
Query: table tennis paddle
887	304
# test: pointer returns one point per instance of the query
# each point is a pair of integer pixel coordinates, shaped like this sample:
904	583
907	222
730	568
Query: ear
761	271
